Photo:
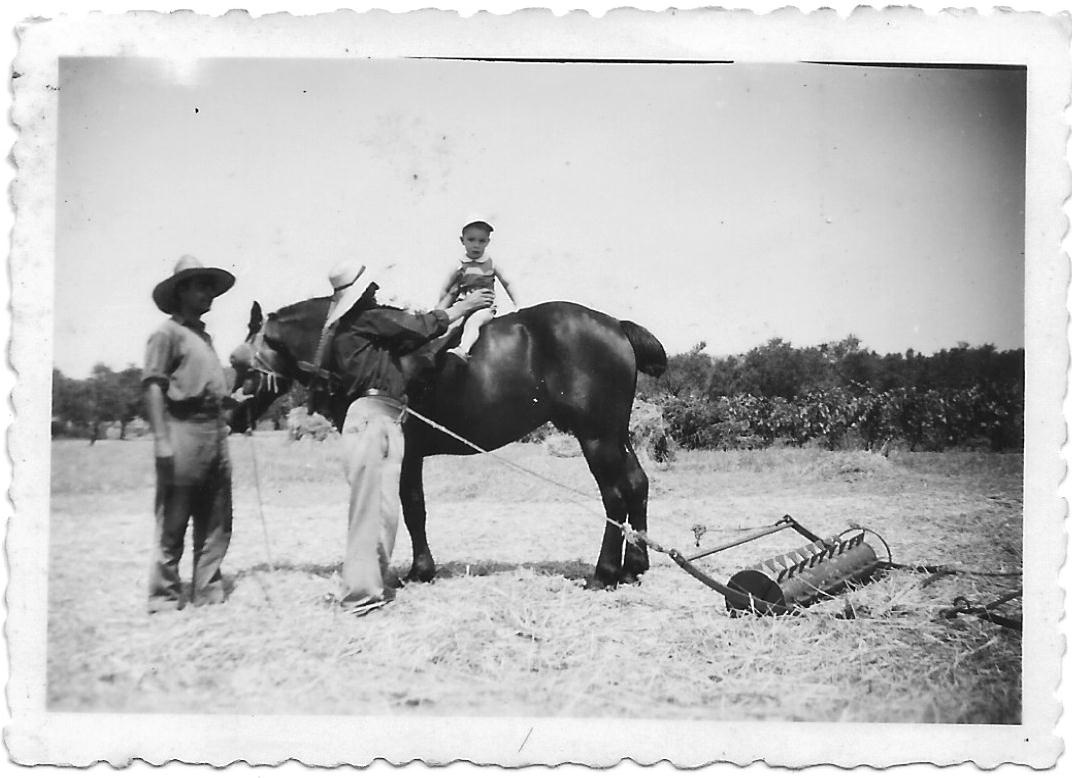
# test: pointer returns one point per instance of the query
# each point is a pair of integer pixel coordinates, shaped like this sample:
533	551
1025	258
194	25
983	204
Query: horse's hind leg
635	488
605	459
411	490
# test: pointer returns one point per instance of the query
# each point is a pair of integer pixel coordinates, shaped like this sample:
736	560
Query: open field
507	629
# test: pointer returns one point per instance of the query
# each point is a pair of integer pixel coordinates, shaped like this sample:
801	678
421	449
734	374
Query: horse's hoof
594	583
420	575
631	572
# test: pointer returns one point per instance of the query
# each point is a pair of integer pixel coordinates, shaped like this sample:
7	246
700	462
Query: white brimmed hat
189	267
349	279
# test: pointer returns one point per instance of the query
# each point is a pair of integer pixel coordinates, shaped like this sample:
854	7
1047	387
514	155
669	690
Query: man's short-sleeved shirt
180	357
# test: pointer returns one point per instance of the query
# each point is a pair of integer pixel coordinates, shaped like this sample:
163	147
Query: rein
631	535
273	379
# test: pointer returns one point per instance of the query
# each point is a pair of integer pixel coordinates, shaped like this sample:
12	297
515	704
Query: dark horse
557	362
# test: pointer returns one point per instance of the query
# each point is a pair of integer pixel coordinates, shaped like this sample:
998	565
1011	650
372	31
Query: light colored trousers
372	447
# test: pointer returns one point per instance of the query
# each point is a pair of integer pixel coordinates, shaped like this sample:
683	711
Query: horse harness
322	382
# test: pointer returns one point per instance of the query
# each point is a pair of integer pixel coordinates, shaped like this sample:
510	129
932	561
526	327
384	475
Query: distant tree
725	377
687	375
115	397
72	405
131	395
775	369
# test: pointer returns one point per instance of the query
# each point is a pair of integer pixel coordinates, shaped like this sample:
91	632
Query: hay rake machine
785	583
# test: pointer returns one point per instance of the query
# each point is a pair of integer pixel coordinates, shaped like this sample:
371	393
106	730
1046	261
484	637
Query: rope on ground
264	524
636	537
940	570
963	606
631	535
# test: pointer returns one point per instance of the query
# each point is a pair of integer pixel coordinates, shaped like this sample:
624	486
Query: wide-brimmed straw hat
189	267
349	279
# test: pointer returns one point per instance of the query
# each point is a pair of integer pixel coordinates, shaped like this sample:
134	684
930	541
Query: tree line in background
841	395
111	404
84	408
836	395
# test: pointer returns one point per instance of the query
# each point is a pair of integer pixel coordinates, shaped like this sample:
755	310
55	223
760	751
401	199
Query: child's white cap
478	221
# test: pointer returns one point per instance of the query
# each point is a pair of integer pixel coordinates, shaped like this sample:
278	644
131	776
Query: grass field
507	628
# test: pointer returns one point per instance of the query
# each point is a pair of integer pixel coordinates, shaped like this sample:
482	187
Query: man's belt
388	398
196	406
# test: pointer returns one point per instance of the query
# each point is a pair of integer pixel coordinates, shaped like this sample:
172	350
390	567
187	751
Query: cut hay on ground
508	629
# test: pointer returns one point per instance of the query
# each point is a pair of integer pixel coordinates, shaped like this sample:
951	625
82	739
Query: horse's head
262	370
266	364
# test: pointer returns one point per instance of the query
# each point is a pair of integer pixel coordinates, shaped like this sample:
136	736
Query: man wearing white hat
185	394
367	341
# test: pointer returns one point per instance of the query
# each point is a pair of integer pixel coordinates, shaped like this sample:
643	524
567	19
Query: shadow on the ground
573	570
321	571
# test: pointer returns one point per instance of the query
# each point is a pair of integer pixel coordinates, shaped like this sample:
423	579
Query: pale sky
724	203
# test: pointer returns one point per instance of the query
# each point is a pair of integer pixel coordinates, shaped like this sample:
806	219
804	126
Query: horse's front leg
411	490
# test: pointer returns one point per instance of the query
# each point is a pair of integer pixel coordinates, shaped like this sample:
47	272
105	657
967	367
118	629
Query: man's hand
235	400
165	460
162	448
470	303
165	469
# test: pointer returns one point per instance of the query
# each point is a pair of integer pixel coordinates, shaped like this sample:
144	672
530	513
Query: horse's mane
294	329
300	312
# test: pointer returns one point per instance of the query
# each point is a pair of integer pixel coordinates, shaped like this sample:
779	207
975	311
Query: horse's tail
650	354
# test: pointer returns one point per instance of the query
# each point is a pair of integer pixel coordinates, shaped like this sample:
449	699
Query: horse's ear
256	319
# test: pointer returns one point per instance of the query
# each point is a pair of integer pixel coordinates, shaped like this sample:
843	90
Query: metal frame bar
786	522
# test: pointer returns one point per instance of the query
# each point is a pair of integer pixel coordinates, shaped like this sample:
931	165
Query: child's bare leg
472	328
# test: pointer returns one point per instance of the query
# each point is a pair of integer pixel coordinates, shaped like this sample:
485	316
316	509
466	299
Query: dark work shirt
368	345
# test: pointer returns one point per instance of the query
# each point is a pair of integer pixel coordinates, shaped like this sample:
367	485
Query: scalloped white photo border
1039	42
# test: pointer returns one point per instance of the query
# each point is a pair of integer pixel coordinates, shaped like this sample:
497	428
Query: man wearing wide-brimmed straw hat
185	396
364	341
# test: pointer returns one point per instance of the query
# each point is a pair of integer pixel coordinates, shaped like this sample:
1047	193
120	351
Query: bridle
271	379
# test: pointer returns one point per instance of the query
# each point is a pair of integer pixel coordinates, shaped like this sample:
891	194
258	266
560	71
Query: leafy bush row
930	419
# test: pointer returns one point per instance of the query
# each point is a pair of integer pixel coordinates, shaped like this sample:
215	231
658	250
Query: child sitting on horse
476	271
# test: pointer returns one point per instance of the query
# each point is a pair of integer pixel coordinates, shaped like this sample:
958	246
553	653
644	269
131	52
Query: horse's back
570	337
570	364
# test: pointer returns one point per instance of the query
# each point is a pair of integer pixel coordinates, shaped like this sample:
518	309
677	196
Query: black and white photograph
527	389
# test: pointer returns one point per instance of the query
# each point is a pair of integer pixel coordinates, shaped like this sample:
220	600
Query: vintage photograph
659	385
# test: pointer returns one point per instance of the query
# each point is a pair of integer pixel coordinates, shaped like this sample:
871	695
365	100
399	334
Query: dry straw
508	629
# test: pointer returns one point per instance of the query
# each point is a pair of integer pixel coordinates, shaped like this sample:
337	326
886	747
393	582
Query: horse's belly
487	424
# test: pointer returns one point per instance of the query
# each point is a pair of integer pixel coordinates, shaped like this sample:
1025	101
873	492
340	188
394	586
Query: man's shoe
160	605
364	608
